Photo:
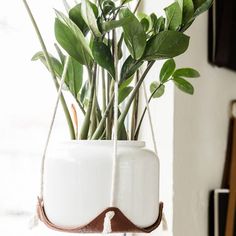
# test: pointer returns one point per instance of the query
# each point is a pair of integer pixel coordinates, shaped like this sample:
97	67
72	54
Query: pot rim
126	143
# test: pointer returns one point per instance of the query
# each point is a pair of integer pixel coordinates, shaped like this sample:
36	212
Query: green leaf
166	44
200	6
126	83
129	67
183	85
160	25
174	16
167	70
110	25
134	35
119	47
124	93
188	10
145	20
157	89
198	3
74	76
90	18
153	19
203	7
103	56
94	8
186	72
145	24
75	15
57	66
72	39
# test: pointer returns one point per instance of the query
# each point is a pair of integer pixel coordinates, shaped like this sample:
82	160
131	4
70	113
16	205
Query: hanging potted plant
104	165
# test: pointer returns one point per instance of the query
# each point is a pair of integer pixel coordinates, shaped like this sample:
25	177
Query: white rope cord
34	219
51	125
109	215
112	198
150	118
164	221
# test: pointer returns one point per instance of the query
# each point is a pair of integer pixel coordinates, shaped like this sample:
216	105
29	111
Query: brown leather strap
229	231
120	223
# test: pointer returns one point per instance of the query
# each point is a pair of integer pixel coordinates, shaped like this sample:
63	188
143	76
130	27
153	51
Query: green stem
144	112
134	116
108	115
86	123
62	99
132	96
137	6
93	120
97	134
80	106
104	103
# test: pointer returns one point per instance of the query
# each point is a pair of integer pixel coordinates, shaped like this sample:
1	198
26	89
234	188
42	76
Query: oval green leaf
102	55
187	73
56	65
70	37
167	70
188	10
166	44
134	35
156	89
90	17
203	7
74	76
173	16
129	67
184	85
75	15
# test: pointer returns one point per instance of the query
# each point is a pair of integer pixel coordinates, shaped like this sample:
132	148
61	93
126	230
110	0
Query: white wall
200	133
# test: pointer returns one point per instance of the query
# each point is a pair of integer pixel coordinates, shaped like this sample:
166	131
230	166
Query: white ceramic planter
77	182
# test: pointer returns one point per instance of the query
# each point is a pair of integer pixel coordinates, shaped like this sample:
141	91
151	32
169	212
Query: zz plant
108	41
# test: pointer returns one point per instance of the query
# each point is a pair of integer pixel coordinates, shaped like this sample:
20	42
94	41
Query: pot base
119	223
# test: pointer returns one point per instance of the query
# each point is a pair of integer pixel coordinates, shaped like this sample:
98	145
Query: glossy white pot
77	182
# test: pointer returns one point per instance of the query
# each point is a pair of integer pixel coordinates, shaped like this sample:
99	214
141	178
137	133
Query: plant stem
86	123
104	103
80	106
134	116
93	120
144	112
137	6
132	95
97	134
62	99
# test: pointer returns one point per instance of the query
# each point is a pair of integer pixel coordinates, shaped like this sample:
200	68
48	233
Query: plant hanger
102	223
112	219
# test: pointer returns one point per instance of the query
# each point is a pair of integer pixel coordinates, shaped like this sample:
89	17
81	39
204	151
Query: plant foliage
95	35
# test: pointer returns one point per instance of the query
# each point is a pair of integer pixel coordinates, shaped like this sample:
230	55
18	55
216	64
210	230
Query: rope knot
107	222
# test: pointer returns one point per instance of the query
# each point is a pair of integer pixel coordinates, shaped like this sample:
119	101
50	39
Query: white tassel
164	222
107	222
34	221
